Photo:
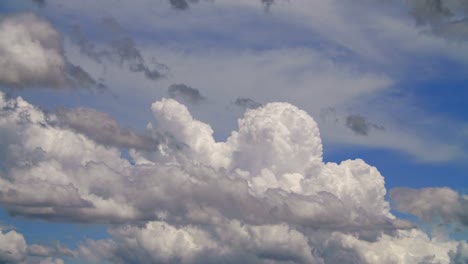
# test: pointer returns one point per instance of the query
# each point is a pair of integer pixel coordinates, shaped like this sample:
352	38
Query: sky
222	131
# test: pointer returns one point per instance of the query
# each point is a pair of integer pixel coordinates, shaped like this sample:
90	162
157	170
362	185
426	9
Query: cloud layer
262	196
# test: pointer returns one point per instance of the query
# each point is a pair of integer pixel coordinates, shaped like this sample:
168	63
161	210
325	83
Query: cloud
262	196
31	52
40	3
182	4
432	204
359	124
447	18
103	129
123	50
12	247
246	103
32	55
185	93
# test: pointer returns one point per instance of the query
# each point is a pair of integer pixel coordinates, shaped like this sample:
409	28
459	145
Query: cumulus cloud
103	129
12	247
432	204
262	196
31	52
185	93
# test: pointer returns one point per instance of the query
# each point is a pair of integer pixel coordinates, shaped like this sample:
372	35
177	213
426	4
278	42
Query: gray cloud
103	129
126	52
185	93
447	18
182	4
432	204
123	50
360	125
40	3
246	103
79	78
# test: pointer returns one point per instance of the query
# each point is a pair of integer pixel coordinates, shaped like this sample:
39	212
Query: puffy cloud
262	196
269	171
229	242
12	247
432	204
185	93
403	247
31	52
32	55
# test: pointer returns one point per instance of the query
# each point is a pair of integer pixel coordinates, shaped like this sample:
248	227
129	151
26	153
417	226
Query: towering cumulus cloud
262	196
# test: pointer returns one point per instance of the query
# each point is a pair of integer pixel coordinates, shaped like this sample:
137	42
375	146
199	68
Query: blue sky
102	159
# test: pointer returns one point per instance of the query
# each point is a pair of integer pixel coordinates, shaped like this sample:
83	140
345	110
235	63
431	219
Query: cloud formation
432	204
185	94
262	196
246	103
32	55
121	49
360	125
31	52
103	129
447	18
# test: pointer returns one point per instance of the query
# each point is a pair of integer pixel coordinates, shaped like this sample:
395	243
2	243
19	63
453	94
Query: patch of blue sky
44	232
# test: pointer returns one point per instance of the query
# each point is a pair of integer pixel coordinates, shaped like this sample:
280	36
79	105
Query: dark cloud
182	4
246	103
79	78
103	129
78	38
126	51
123	50
360	125
185	93
40	3
445	17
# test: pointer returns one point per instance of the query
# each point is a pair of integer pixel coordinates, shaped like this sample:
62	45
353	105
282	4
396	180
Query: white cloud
12	247
31	52
262	196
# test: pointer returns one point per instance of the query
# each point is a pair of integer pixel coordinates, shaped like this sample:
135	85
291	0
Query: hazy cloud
123	50
185	93
360	125
246	103
447	18
432	204
103	129
40	3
